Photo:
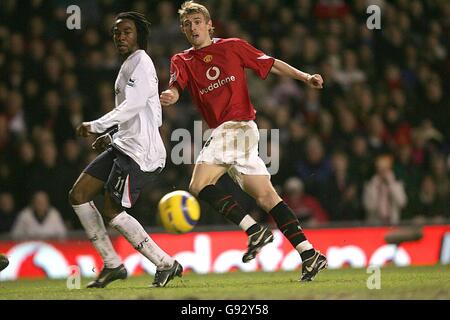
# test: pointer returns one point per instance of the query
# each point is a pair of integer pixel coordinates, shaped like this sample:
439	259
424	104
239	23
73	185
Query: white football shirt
137	113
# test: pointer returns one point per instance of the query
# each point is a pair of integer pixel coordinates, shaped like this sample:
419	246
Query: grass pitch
396	283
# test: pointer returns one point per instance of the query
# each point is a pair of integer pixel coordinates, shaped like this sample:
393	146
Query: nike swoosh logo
258	240
308	268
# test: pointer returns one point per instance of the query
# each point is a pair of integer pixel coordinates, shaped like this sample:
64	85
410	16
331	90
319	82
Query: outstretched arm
169	96
281	68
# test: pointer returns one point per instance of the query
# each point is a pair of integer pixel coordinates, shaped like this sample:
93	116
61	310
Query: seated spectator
23	167
377	134
351	73
307	208
410	174
360	159
429	206
316	168
341	196
7	212
39	220
441	176
48	175
384	196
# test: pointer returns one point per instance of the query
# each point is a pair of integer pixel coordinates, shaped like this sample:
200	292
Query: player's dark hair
142	26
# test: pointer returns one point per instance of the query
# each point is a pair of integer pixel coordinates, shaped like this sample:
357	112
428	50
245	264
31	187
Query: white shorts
235	144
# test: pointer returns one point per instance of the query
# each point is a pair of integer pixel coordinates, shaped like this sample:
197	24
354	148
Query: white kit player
133	158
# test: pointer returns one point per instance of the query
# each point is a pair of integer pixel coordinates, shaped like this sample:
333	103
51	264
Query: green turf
396	283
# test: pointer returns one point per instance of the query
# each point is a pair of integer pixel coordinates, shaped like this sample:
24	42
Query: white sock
303	246
92	222
247	222
133	231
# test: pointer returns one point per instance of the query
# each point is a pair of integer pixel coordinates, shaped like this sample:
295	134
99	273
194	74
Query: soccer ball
179	211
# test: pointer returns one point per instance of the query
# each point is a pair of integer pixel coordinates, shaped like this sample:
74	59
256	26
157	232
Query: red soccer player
213	71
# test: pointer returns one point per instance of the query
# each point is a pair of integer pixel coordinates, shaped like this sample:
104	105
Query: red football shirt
215	78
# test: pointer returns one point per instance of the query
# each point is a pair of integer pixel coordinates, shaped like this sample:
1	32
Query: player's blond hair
191	7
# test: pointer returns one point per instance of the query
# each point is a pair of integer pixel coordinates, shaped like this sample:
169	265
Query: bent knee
267	200
195	188
77	196
109	215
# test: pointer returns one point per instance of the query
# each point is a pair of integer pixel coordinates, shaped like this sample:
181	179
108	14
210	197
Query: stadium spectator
410	174
377	137
48	175
4	133
16	116
384	197
316	168
350	73
360	159
306	207
23	166
39	220
429	206
441	176
341	196
347	127
7	212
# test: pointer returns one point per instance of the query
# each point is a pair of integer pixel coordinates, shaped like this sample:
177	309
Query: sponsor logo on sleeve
131	82
173	77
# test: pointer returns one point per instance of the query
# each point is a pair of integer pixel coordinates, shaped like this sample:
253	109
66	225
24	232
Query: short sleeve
178	74
254	59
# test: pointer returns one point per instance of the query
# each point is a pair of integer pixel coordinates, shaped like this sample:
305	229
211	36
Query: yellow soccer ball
179	211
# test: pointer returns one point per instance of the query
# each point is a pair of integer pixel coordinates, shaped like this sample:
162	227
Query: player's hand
315	81
84	130
167	98
102	142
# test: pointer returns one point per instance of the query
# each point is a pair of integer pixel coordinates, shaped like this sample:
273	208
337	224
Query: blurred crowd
373	146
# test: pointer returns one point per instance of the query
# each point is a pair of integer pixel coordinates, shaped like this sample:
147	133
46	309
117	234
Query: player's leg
122	190
4	262
88	185
229	143
261	189
203	185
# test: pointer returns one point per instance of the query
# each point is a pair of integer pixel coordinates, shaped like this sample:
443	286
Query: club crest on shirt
208	58
117	91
